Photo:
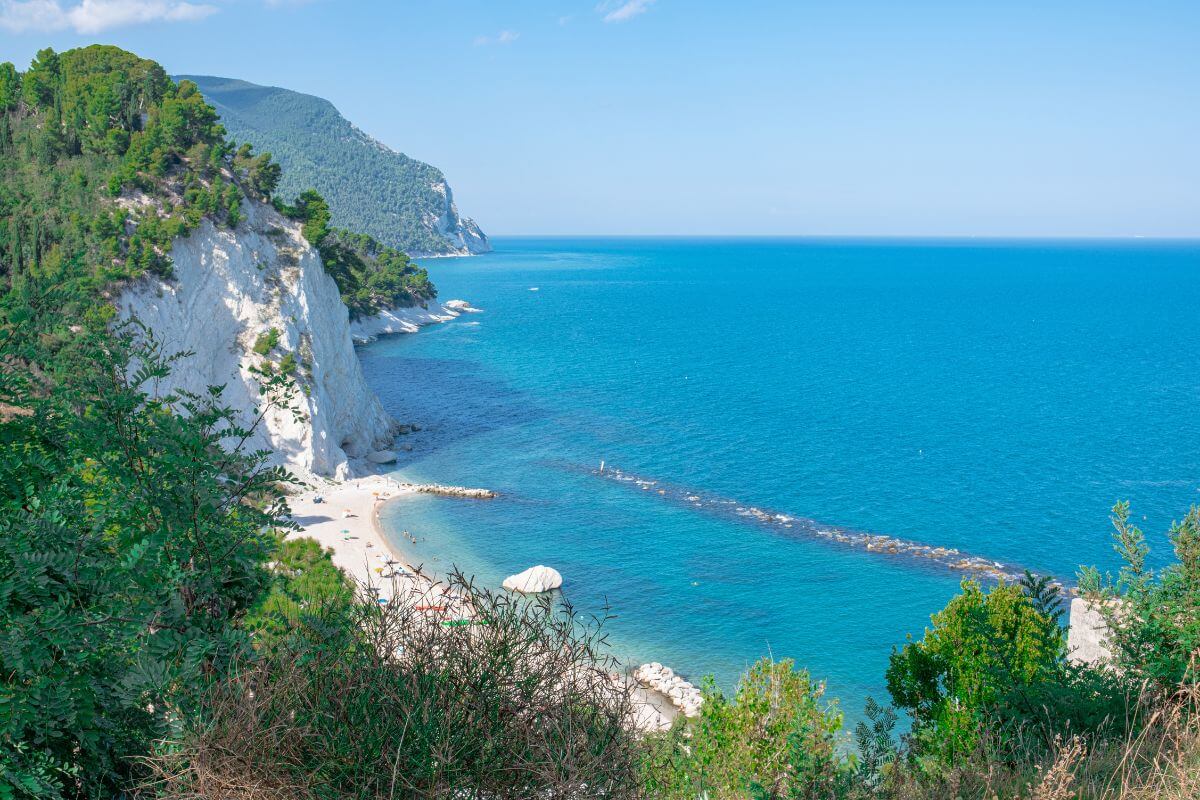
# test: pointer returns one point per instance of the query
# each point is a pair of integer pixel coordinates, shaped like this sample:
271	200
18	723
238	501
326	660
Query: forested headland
398	200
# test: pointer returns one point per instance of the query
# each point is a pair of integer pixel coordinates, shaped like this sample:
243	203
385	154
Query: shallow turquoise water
995	397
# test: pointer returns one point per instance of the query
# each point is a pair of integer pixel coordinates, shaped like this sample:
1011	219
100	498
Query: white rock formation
231	287
399	320
461	232
1087	637
679	692
461	307
534	580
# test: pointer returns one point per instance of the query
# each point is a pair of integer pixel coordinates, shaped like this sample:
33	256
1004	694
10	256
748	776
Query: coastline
346	522
342	516
407	319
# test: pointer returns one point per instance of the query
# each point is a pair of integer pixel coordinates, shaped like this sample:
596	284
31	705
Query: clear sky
1001	117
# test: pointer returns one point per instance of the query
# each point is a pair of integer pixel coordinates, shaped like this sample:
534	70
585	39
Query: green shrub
982	646
266	342
776	738
129	546
303	580
287	364
991	681
1153	617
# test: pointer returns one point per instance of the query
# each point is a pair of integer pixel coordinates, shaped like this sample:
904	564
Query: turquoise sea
991	396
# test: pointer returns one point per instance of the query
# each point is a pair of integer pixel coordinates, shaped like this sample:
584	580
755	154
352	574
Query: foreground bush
775	738
1153	617
129	545
992	676
372	701
982	647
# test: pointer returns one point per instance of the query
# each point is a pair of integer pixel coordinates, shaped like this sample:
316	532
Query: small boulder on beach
534	580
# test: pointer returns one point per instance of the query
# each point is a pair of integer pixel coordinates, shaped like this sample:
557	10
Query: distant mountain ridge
371	188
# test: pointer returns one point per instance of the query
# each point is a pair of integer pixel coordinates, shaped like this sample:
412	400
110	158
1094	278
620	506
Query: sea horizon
865	237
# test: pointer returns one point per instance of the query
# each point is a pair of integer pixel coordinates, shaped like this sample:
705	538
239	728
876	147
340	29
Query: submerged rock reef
791	525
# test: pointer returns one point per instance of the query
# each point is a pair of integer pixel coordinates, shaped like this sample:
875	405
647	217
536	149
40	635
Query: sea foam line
795	526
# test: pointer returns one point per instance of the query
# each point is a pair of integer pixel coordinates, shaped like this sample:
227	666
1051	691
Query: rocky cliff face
461	232
263	284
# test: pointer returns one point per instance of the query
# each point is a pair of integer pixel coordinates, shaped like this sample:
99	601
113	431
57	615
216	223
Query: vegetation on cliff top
371	277
81	133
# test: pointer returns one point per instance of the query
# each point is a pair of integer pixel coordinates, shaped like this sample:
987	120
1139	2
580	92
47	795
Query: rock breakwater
796	526
450	491
682	694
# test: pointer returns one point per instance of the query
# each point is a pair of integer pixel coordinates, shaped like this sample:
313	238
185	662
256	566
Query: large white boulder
1088	635
382	457
534	580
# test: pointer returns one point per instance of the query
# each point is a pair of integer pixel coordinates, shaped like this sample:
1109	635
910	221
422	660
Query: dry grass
1058	781
387	702
1160	761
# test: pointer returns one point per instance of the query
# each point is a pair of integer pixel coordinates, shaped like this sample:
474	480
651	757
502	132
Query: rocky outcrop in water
794	526
450	491
534	580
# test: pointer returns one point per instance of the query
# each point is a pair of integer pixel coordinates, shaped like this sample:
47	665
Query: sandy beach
346	521
341	517
344	518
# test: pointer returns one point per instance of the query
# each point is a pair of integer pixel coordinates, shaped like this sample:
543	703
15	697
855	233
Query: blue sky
664	116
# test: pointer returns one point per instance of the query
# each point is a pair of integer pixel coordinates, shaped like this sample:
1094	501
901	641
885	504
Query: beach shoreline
346	522
343	517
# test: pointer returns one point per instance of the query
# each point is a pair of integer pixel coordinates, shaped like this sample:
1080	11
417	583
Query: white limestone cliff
461	232
232	287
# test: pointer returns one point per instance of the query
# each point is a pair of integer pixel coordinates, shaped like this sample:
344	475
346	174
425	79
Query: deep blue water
995	397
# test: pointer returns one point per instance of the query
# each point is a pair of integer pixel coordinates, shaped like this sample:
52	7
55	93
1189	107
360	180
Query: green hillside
398	200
